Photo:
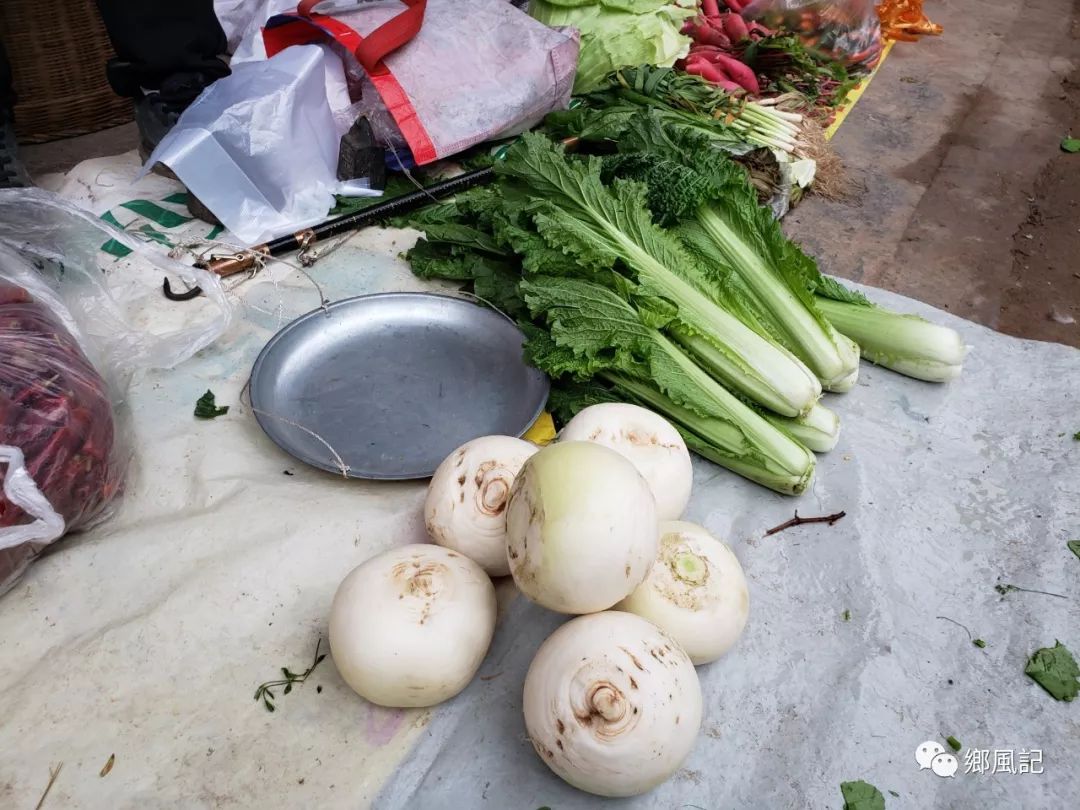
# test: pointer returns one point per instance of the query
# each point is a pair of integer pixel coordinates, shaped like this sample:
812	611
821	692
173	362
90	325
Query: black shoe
154	117
157	111
12	173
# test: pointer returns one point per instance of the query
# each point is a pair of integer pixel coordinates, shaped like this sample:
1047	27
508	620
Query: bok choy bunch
608	234
594	332
707	202
716	215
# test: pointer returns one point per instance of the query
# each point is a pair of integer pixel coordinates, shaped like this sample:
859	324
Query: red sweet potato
740	73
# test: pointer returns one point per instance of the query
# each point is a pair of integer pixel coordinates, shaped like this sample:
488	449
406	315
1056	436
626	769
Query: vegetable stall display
649	274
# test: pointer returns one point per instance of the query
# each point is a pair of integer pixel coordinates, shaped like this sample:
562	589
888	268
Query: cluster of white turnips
587	525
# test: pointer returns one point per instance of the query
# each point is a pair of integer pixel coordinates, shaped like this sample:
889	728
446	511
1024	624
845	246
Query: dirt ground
964	198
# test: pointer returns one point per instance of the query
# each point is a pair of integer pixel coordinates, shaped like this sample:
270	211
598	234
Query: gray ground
967	201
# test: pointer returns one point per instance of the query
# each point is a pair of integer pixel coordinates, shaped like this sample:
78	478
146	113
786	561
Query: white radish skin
612	704
696	592
466	500
410	626
649	441
581	528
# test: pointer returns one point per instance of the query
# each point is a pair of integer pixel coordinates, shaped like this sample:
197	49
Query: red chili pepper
55	407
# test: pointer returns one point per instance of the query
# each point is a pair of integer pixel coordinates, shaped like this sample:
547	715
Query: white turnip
466	500
696	592
649	441
581	528
612	704
410	626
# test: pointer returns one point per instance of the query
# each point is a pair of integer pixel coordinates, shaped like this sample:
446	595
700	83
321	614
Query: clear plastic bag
259	147
68	347
475	71
845	30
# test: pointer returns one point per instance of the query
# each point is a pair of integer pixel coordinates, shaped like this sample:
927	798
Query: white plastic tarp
147	638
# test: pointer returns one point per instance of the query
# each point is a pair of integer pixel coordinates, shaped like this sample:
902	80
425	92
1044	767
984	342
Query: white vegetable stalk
648	441
831	356
612	704
411	626
466	500
818	430
905	343
581	528
696	592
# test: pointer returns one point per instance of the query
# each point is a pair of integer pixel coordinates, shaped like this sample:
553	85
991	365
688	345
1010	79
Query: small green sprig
265	692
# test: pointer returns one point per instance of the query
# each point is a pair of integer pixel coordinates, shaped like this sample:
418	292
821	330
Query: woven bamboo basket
58	60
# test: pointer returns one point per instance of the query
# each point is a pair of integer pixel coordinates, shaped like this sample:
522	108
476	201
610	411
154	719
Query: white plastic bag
259	147
69	343
473	71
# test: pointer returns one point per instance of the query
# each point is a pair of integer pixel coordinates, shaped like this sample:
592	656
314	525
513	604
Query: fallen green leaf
206	407
954	743
861	796
1074	547
1070	144
1055	670
979	643
846	615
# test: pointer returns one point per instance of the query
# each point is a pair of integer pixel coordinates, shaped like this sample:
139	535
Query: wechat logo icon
932	755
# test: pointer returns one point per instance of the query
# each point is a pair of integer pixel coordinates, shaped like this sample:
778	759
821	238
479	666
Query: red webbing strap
385	39
312	27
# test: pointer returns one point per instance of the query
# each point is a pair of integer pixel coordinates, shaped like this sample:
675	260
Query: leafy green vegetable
954	743
737	240
861	796
979	643
1055	670
609	302
617	33
206	407
595	332
1074	547
608	228
685	103
1070	144
905	343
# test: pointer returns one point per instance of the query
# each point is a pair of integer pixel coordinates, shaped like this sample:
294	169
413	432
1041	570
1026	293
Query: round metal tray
386	386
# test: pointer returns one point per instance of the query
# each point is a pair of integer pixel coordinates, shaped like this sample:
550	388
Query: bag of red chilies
62	457
55	409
